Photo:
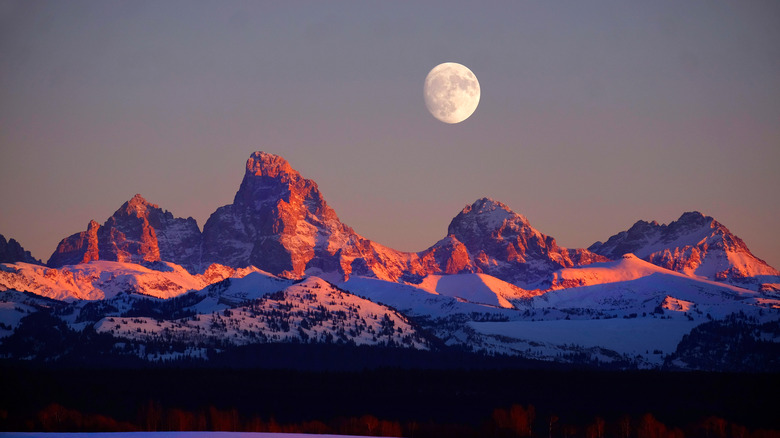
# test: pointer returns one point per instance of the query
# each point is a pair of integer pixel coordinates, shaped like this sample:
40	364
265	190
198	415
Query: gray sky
593	114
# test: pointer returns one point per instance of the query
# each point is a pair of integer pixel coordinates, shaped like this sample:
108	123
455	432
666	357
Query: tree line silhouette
515	421
433	402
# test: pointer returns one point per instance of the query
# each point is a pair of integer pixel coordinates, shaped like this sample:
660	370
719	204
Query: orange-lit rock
694	244
137	232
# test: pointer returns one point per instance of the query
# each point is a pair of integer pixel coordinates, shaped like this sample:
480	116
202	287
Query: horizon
592	116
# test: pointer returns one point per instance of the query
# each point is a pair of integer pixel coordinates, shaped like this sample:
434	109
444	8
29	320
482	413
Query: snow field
637	336
167	435
311	310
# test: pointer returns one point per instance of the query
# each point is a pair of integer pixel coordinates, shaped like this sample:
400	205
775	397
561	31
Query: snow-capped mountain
137	232
497	241
694	244
280	222
628	313
278	266
11	252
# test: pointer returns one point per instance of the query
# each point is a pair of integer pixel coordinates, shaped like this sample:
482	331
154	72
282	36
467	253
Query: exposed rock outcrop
694	244
137	232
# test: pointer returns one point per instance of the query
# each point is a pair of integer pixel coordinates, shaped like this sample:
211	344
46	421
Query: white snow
655	243
414	300
646	293
102	279
476	288
166	435
10	315
311	310
226	294
635	336
629	267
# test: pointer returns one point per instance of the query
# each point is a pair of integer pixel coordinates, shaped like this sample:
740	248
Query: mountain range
277	265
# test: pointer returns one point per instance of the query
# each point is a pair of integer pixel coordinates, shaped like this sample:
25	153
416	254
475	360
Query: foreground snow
165	435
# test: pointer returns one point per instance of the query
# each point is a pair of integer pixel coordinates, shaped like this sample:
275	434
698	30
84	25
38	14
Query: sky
593	115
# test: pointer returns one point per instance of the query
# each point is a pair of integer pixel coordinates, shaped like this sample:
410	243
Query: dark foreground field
487	402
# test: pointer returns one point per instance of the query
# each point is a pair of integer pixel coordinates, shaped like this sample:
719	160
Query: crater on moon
451	92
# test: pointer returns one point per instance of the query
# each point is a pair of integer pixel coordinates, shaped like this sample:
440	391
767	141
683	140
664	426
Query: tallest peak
138	199
265	164
137	203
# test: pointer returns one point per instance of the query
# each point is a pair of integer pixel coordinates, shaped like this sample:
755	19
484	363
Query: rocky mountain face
324	284
488	237
11	252
137	232
280	222
694	244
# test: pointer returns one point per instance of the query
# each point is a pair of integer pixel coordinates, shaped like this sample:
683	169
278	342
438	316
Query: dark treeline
392	402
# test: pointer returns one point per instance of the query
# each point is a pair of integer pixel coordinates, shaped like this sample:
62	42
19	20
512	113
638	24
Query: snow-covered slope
490	238
627	311
649	294
99	280
694	244
232	292
16	305
626	268
312	310
417	301
637	321
476	288
493	284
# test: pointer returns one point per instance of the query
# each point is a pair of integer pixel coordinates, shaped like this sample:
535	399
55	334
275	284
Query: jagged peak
642	225
487	206
485	215
270	165
12	251
693	220
447	241
696	218
689	219
692	216
136	206
140	201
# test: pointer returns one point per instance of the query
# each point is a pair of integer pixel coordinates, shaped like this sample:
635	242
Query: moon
451	92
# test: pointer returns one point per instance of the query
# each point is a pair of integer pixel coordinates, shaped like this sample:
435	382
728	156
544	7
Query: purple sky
593	114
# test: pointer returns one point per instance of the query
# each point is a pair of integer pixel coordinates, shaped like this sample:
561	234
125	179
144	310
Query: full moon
451	92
